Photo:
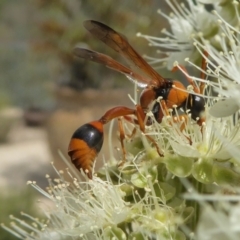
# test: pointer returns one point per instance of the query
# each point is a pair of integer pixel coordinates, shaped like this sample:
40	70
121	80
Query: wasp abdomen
84	146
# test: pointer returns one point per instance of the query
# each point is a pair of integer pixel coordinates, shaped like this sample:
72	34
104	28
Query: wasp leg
201	87
122	137
190	80
140	116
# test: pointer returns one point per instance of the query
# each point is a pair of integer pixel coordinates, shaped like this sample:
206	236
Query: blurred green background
37	38
45	93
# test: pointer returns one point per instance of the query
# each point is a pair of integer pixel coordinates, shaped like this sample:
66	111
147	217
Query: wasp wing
120	44
110	63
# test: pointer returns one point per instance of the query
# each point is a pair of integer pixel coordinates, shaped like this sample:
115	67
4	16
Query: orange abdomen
84	146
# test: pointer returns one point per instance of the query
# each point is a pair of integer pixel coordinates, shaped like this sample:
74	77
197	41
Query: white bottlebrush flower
221	224
96	209
199	150
185	21
203	141
224	63
86	207
81	208
220	214
219	134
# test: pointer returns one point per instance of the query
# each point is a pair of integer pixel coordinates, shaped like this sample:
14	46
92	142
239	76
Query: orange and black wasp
87	140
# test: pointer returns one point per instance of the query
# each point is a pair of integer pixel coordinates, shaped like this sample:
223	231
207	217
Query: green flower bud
187	213
176	235
134	146
225	176
179	235
136	236
113	232
202	171
178	165
164	191
140	179
228	12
